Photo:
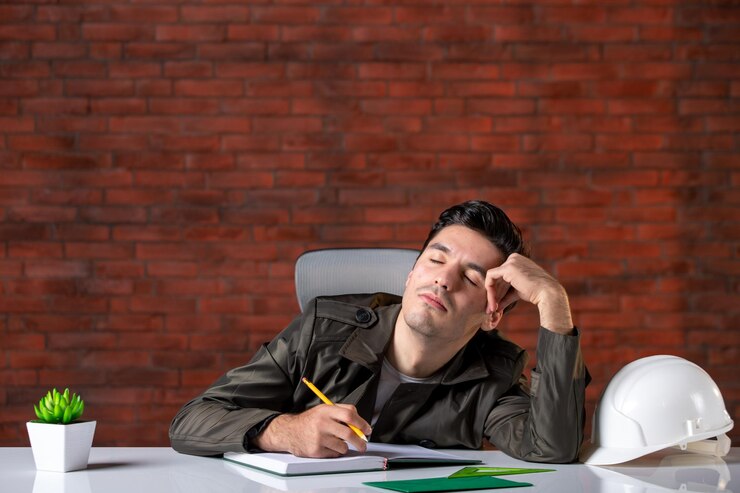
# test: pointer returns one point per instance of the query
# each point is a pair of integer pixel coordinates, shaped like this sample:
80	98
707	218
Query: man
431	370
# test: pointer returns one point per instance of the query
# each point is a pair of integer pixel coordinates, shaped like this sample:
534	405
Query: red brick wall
162	166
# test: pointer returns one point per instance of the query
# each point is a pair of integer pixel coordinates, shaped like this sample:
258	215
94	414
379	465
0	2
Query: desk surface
140	470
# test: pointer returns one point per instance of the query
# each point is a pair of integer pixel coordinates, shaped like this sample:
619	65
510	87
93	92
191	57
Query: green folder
446	484
467	472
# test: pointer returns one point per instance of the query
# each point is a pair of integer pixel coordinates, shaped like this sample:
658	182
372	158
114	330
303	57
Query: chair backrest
352	271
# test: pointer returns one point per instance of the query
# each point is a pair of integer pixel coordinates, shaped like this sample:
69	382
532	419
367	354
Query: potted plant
60	442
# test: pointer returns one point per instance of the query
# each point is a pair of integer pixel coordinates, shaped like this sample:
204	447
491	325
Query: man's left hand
519	278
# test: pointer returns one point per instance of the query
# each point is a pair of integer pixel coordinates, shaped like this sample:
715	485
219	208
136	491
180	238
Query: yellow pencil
326	401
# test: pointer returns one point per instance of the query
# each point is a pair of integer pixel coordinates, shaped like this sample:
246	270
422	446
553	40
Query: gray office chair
352	271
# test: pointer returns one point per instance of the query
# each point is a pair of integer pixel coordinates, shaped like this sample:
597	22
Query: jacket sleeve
544	423
242	401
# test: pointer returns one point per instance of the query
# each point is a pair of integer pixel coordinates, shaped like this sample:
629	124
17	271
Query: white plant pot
61	448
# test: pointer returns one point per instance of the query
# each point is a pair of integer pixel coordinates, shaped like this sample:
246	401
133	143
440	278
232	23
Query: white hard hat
655	403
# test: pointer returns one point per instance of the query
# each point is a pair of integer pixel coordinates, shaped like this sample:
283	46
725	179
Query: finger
502	287
510	297
348	438
492	279
356	442
353	418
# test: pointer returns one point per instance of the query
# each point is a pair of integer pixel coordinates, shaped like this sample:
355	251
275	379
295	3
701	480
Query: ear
408	278
491	320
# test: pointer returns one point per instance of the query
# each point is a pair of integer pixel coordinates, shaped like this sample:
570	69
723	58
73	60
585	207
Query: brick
252	32
10	13
152	50
555	52
370	142
410	52
456	33
143	14
503	106
357	15
589	268
657	70
98	250
429	14
670	33
82	232
286	15
211	88
171	269
160	305
572	106
279	89
395	35
221	13
242	180
293	34
584	71
642	52
118	269
640	106
604	33
107	143
669	124
117	32
168	179
482	89
495	143
437	142
504	33
58	50
16	50
114	214
87	88
632	142
558	143
16	125
180	215
65	162
22	70
434	179
501	15
640	15
22	32
190	33
20	88
632	89
688	142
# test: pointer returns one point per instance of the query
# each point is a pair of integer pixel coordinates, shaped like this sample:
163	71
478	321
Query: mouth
433	301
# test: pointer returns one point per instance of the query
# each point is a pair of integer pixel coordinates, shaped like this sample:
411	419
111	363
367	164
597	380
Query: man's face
445	295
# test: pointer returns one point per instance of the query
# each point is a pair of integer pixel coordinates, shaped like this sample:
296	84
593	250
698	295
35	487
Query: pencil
326	401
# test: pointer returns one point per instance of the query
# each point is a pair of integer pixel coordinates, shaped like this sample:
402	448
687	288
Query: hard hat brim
606	456
596	455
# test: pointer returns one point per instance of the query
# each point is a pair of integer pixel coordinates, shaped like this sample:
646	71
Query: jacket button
427	443
363	316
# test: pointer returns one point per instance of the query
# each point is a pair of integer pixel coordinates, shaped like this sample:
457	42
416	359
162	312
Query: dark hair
488	220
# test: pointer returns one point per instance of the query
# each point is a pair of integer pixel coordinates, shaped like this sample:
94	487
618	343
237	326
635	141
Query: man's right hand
321	431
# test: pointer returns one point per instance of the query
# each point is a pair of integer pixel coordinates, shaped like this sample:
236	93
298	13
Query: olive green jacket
339	343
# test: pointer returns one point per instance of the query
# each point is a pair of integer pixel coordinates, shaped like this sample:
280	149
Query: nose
441	283
442	279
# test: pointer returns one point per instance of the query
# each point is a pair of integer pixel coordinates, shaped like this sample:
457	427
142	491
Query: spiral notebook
379	456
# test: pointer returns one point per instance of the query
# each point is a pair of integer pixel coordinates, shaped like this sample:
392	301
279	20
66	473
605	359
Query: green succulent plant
56	408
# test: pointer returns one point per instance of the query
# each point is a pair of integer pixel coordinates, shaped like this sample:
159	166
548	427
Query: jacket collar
366	346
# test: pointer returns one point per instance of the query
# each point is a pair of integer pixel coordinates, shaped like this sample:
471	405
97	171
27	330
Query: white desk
162	470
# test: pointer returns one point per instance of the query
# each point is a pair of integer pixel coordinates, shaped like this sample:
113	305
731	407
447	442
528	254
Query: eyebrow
470	265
